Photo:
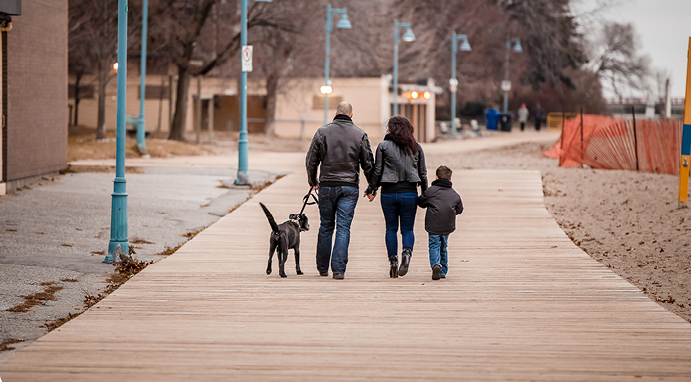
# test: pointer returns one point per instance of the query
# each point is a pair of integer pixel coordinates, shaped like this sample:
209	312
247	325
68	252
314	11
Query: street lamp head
344	23
326	89
408	36
465	46
518	48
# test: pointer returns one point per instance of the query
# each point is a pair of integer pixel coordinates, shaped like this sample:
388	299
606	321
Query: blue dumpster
491	119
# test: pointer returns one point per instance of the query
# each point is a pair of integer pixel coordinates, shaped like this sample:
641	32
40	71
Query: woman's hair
402	132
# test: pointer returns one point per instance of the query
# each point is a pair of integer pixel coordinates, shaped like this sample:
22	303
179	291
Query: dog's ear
294	216
304	223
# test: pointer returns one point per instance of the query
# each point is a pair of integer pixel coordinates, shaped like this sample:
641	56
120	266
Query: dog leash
306	201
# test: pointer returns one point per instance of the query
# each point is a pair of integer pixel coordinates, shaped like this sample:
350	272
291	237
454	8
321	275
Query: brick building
34	90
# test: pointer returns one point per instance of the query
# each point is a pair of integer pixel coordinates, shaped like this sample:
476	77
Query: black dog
285	236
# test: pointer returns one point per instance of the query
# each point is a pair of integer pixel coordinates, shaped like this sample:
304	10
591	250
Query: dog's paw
283	275
299	272
268	271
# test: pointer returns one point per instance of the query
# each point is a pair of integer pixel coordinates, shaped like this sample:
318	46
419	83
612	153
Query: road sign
247	58
506	85
453	85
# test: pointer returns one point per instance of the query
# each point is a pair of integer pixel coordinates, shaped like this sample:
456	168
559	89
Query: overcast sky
663	27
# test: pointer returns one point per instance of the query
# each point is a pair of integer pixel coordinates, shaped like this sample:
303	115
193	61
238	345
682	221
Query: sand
626	220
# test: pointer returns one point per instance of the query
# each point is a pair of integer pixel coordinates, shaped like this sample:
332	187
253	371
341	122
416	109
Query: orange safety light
426	95
414	95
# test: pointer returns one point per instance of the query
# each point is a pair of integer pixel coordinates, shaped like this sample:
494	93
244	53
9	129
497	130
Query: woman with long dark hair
399	169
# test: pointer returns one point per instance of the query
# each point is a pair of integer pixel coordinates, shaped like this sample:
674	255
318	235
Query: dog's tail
272	221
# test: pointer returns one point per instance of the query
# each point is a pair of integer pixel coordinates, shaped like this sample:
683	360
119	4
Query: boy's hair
444	172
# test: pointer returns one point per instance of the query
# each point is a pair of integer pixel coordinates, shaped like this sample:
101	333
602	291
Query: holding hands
369	194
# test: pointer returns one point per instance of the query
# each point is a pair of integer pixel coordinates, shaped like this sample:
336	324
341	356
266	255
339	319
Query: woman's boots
405	261
393	271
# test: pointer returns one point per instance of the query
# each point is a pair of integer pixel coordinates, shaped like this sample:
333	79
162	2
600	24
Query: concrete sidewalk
57	232
521	302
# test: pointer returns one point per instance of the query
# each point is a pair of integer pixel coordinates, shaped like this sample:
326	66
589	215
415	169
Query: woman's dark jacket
392	165
443	204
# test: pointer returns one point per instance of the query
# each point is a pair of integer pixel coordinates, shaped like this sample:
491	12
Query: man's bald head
344	108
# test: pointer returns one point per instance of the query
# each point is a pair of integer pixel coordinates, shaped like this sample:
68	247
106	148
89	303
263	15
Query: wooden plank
521	302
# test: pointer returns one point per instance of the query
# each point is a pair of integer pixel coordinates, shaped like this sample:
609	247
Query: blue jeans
437	251
336	209
397	208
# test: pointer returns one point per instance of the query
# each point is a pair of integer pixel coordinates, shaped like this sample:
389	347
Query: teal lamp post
141	131
408	36
453	82
343	23
118	215
506	84
242	177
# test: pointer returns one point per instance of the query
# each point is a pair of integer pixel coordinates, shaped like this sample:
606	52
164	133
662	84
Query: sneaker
339	276
323	273
442	276
435	272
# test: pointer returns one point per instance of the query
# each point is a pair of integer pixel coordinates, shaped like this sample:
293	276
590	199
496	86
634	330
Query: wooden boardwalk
521	302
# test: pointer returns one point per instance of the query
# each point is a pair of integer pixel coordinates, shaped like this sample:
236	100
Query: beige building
299	105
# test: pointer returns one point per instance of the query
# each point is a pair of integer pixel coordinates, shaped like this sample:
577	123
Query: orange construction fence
609	143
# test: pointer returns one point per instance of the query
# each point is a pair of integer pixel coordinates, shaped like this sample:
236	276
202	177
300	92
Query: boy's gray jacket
393	165
341	148
443	204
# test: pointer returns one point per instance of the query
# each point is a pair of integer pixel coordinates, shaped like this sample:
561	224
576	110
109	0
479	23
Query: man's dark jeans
336	210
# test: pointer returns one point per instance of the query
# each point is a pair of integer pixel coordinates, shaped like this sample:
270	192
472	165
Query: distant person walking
338	150
399	168
523	116
539	115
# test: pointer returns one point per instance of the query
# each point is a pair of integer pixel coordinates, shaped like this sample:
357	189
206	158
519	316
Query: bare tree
550	38
93	48
289	51
183	30
616	60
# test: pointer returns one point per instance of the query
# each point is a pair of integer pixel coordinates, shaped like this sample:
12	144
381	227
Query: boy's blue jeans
437	251
336	210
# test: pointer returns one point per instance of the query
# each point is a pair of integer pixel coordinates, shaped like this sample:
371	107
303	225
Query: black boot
393	271
405	261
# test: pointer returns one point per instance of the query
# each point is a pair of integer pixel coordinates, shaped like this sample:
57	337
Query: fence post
581	136
635	135
561	148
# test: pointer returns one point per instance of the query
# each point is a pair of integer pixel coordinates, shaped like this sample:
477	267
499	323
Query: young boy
443	204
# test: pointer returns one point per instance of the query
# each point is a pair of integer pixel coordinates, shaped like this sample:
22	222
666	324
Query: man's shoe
323	273
339	276
443	276
436	272
393	271
405	261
